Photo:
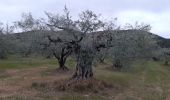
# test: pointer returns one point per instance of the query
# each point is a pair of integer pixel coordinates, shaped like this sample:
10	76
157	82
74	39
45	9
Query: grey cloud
154	12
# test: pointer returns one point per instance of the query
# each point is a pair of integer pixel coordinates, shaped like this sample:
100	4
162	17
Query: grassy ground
144	81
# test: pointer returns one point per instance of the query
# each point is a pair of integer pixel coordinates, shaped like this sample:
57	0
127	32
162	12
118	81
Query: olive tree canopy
83	43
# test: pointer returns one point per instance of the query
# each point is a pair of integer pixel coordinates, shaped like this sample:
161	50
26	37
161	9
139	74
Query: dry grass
149	81
74	85
20	81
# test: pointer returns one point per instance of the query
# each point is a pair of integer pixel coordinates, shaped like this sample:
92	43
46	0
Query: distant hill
25	36
162	42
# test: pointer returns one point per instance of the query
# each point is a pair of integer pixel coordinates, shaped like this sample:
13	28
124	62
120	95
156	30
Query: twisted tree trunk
101	60
117	64
62	58
62	64
84	65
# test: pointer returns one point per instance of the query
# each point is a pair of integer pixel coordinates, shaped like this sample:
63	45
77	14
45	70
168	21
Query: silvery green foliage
89	22
7	45
122	51
130	45
29	23
3	47
32	42
57	22
108	27
102	55
166	55
55	47
25	43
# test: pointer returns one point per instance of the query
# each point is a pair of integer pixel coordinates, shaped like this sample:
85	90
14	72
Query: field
144	81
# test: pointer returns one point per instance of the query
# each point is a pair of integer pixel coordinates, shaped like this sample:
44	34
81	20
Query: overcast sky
153	12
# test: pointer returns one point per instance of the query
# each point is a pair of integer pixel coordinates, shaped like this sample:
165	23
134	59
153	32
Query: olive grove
88	35
87	39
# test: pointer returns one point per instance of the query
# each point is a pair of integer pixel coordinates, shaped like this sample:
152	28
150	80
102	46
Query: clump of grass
88	85
73	85
41	86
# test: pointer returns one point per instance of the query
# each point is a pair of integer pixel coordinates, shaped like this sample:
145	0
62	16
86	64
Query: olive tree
55	44
106	52
6	46
102	55
131	45
122	51
5	42
83	44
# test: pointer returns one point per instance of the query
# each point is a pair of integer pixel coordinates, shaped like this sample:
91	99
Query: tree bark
62	64
84	66
62	58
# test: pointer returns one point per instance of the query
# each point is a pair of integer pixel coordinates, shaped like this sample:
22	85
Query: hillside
163	42
29	38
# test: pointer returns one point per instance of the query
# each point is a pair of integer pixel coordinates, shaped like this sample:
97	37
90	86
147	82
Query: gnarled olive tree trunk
84	65
62	58
61	62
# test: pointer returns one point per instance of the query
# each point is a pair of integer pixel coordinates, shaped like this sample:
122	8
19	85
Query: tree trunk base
83	73
81	77
62	69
